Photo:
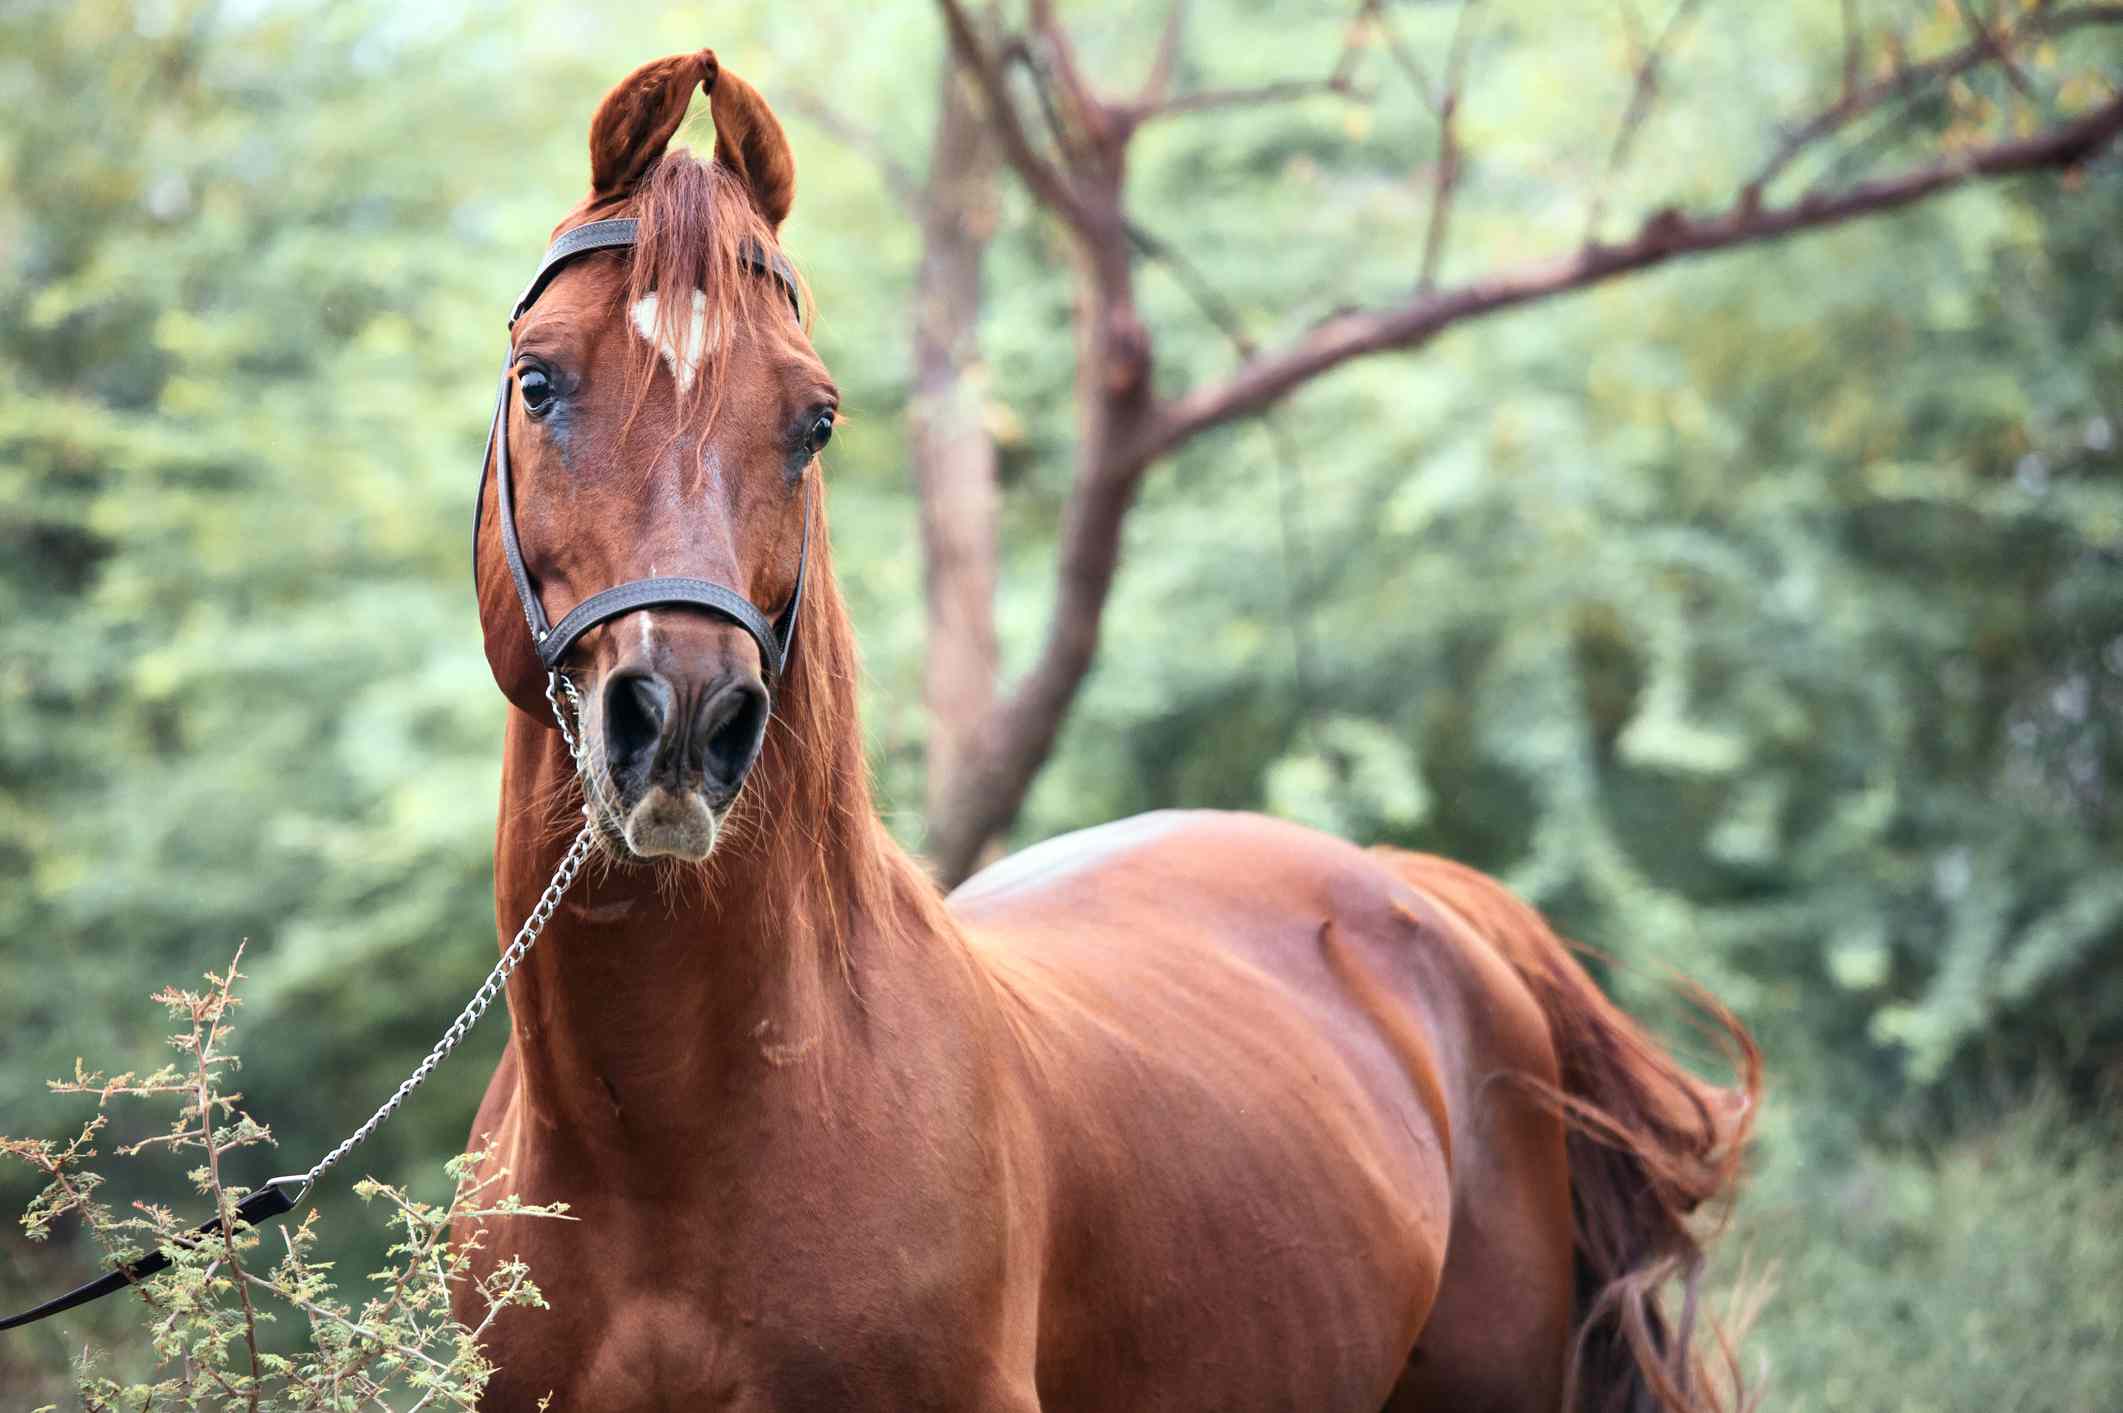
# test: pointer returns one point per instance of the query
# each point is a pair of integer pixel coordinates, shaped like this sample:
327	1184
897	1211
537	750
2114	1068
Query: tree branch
1157	100
1993	46
1356	37
1643	92
1159	82
1209	99
1086	110
1907	79
1218	310
1667	236
1017	52
1113	399
1042	177
1445	177
1397	47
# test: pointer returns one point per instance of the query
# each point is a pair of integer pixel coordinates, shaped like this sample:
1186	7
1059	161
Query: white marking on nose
697	335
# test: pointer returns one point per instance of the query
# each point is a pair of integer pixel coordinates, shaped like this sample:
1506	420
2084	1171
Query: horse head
662	411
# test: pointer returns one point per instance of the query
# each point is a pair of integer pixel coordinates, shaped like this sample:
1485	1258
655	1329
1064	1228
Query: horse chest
784	1306
661	1350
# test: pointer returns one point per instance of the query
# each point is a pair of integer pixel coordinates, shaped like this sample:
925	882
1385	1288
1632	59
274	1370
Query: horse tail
1649	1145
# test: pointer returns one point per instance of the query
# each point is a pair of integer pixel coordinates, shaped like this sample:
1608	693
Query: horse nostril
636	705
732	726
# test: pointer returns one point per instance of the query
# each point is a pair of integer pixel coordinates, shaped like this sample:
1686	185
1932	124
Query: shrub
206	1319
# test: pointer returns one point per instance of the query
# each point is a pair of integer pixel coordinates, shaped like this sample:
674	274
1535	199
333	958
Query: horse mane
813	767
700	231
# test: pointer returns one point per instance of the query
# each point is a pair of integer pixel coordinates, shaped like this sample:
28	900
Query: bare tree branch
1907	79
1082	106
1356	37
1046	183
1114	398
1209	99
1853	39
1018	54
1667	236
1443	101
1157	100
1445	177
1403	56
1166	59
1994	47
1643	92
1218	310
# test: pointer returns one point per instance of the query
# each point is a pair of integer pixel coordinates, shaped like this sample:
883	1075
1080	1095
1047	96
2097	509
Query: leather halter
552	640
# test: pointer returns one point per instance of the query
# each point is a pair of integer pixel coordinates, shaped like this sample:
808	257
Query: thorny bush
399	1347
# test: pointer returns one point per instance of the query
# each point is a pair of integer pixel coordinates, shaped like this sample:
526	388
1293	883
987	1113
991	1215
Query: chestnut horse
1195	1111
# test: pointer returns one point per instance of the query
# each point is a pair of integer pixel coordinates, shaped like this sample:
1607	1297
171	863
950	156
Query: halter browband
553	640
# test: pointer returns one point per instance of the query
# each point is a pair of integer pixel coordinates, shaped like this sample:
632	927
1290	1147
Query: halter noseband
553	640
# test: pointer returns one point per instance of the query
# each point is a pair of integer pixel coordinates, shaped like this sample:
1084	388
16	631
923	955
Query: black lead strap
775	638
266	1203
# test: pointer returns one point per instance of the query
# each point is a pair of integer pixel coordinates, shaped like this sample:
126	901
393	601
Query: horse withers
1191	1112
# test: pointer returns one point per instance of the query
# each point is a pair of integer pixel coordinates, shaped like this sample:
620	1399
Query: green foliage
1762	618
1978	1276
209	1313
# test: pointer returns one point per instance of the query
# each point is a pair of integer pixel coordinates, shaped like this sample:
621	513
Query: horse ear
749	141
638	117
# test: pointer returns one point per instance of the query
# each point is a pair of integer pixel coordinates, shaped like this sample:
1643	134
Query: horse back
1252	1050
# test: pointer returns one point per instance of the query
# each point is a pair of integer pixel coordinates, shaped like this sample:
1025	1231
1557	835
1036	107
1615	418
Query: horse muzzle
676	748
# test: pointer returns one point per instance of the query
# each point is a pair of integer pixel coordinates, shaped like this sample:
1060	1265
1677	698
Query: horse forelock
692	285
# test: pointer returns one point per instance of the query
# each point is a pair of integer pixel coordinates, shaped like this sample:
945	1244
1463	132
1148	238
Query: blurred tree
1075	158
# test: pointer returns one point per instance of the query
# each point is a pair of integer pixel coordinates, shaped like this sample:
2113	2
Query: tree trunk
952	451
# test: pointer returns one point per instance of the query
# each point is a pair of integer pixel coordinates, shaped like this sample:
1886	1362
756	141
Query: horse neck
653	988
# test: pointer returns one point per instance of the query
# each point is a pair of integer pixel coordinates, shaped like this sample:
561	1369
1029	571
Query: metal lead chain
555	684
563	878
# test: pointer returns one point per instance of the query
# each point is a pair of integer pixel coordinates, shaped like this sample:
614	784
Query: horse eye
537	391
821	432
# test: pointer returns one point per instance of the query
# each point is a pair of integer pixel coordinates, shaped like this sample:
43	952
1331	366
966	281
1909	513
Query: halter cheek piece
553	640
